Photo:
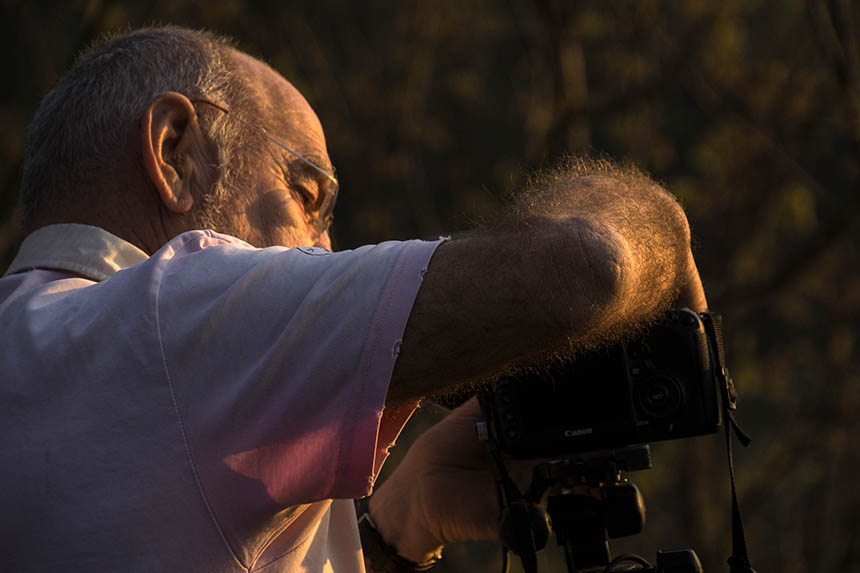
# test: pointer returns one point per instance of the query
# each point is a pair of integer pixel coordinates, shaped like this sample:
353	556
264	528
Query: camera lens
659	397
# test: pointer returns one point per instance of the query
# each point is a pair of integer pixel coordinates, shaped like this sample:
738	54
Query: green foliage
747	110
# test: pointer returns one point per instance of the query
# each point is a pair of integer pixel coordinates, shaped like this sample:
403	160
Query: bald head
282	105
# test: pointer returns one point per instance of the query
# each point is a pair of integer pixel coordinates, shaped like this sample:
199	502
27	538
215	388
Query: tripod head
585	500
592	502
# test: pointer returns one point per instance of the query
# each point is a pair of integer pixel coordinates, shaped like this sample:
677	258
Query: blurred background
747	110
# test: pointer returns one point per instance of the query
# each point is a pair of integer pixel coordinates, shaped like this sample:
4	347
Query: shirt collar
82	249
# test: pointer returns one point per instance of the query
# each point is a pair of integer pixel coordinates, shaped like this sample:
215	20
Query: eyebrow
306	170
321	161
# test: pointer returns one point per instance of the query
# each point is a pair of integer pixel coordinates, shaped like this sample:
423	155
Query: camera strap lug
714	329
482	431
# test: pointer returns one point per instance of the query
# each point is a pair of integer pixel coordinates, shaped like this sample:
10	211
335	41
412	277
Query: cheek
324	241
278	220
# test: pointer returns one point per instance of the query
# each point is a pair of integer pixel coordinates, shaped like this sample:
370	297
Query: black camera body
662	385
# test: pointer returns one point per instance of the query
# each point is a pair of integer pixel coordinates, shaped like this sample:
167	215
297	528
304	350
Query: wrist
393	514
381	557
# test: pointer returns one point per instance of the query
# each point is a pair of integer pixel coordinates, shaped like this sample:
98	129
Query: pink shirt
197	410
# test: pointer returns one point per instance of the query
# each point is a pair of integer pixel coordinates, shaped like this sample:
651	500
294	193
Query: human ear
168	131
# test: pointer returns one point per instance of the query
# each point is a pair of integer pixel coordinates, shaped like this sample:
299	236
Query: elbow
600	282
610	261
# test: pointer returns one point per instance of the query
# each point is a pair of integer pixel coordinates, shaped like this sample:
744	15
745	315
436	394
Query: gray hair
81	123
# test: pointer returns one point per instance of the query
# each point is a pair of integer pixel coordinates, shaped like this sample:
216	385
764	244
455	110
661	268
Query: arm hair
588	252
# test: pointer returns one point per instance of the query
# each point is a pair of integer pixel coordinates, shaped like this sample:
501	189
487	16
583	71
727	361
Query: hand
443	491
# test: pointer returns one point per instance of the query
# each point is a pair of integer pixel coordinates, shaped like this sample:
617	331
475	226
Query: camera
663	384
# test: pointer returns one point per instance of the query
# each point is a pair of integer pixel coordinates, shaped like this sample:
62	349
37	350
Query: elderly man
192	381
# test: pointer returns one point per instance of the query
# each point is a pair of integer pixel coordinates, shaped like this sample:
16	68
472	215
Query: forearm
568	268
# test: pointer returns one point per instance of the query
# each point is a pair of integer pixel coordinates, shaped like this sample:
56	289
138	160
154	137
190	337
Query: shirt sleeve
279	363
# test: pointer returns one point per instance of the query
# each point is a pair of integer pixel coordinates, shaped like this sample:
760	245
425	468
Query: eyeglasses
324	213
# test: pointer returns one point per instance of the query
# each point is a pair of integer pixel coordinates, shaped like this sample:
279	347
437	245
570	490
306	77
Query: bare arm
572	265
